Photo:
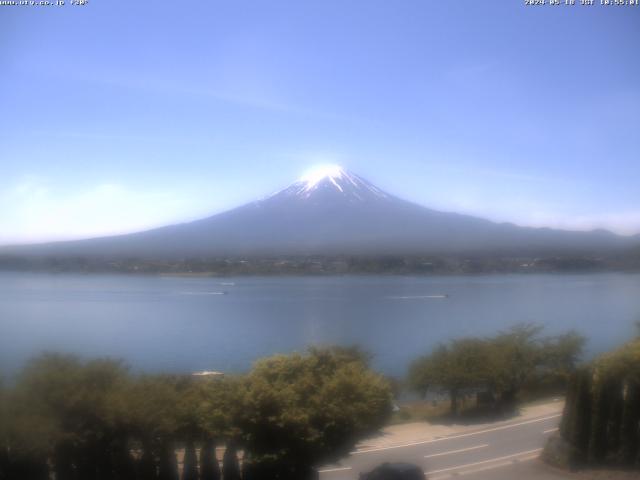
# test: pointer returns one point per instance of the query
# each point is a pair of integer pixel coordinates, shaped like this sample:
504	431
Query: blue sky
119	116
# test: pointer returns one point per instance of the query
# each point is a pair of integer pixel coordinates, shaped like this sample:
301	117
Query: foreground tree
302	410
73	412
153	415
601	420
25	439
92	420
216	404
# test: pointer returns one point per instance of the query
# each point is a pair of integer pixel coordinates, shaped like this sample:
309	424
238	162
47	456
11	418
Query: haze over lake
188	324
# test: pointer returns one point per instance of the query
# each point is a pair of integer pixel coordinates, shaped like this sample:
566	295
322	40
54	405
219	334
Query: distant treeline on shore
628	261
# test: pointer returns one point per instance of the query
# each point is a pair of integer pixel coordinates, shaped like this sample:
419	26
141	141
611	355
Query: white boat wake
202	293
418	297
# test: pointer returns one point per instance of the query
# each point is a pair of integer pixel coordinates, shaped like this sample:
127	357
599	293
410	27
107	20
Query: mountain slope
335	212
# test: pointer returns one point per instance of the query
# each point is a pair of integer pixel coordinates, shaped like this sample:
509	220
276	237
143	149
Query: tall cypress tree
583	407
168	465
63	461
147	464
567	422
122	461
599	421
630	431
209	467
614	425
4	462
230	465
25	468
190	462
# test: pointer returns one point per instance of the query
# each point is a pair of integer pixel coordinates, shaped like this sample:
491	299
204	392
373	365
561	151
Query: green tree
344	353
154	418
500	365
302	410
562	353
189	427
559	359
515	357
216	404
462	365
70	411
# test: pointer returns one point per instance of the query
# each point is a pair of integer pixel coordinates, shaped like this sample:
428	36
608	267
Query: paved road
503	451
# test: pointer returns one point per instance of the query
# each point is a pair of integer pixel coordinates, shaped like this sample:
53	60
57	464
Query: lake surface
186	324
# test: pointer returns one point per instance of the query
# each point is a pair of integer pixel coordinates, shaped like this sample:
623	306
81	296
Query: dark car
394	471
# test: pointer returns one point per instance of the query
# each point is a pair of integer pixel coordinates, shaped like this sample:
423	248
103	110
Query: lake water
185	324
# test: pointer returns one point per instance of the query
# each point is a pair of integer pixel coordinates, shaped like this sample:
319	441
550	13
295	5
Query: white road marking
497	459
483	469
502	464
451	452
550	430
338	469
424	442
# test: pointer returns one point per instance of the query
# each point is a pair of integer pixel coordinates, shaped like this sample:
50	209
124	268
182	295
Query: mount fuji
334	211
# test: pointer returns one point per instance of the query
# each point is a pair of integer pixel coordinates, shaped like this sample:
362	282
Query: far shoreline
331	265
217	275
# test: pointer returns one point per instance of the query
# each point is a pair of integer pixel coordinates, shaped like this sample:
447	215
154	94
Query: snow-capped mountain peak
331	173
333	179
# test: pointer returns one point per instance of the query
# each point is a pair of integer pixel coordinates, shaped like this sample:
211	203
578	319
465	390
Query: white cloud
34	211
